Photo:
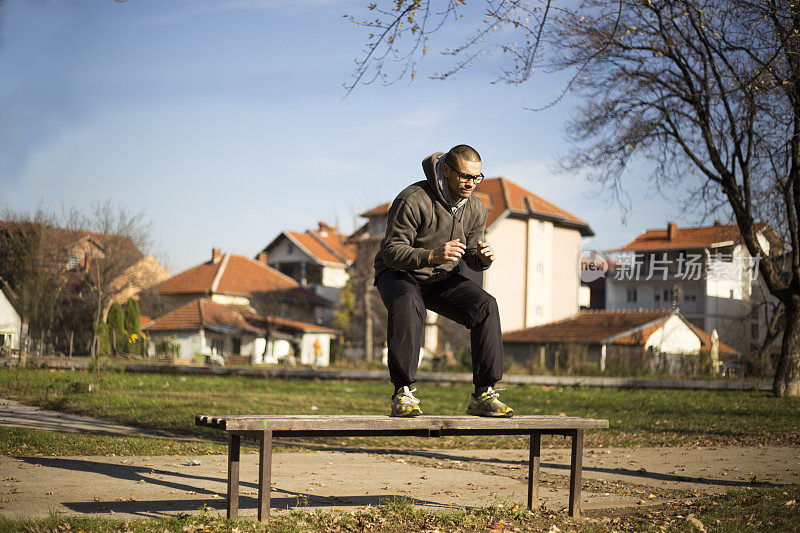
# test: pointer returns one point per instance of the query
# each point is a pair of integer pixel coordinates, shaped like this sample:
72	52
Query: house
229	278
205	329
535	276
10	320
317	258
239	309
706	270
662	341
81	256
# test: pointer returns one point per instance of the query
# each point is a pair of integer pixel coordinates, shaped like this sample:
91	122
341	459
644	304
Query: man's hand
449	251
485	252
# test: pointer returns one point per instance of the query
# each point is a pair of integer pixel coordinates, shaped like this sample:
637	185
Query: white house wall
505	280
540	273
227	299
189	344
286	251
565	266
334	277
675	337
540	287
728	302
10	322
307	350
276	350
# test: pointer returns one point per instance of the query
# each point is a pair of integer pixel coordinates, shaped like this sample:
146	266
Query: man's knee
483	308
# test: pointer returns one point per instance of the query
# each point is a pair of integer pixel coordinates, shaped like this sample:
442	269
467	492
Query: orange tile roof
316	249
335	241
197	279
588	326
247	276
687	238
507	195
501	195
203	313
125	250
184	318
287	324
631	328
376	211
240	275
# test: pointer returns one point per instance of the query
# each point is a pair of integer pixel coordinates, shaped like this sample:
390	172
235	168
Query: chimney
262	257
324	228
216	255
672	231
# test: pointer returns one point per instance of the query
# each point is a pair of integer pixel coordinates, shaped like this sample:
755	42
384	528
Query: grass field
765	509
168	402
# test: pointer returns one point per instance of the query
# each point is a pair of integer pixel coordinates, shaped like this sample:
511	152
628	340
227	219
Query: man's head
462	170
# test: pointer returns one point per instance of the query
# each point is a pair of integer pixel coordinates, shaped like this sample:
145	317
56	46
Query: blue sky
226	122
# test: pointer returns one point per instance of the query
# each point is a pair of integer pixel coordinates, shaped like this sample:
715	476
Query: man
432	225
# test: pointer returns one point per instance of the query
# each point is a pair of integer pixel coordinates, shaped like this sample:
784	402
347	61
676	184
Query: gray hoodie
422	218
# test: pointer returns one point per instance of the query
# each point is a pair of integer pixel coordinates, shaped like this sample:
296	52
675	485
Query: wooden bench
264	428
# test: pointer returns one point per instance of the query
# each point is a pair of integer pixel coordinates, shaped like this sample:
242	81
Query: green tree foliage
116	326
133	327
132	321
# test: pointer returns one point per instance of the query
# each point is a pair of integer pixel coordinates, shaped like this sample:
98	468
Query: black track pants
457	298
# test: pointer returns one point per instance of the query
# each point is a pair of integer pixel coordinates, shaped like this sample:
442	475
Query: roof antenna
676	298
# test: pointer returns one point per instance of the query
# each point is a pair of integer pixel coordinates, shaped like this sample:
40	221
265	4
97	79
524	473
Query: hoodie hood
432	166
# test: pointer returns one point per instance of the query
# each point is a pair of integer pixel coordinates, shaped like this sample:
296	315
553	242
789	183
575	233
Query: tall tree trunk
368	351
787	374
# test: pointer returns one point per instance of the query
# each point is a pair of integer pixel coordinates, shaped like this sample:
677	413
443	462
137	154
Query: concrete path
127	487
15	414
130	487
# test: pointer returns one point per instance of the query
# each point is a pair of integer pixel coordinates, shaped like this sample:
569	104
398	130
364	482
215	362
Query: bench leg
575	474
533	470
234	444
264	475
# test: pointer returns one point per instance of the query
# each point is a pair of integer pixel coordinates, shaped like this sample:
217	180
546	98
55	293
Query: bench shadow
216	499
446	456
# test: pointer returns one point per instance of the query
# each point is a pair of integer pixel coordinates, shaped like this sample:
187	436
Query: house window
218	345
539	310
5	339
73	262
631	295
290	248
667	295
657	296
236	345
732	293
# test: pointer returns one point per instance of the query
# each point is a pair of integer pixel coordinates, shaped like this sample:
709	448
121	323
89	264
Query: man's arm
476	255
401	231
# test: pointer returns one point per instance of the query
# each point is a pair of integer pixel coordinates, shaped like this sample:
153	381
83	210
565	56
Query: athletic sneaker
404	403
489	404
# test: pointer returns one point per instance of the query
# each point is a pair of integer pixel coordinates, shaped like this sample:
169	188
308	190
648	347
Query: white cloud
424	117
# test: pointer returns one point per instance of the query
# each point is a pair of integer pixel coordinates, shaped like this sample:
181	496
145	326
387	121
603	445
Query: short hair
464	152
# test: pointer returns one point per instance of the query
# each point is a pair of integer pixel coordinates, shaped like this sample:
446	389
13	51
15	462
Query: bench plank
336	424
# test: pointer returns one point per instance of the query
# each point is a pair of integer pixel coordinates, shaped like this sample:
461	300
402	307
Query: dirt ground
143	487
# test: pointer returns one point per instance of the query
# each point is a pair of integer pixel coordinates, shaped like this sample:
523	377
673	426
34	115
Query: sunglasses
463	177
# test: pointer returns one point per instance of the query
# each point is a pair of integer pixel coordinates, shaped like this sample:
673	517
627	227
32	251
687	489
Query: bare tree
30	261
118	237
707	91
